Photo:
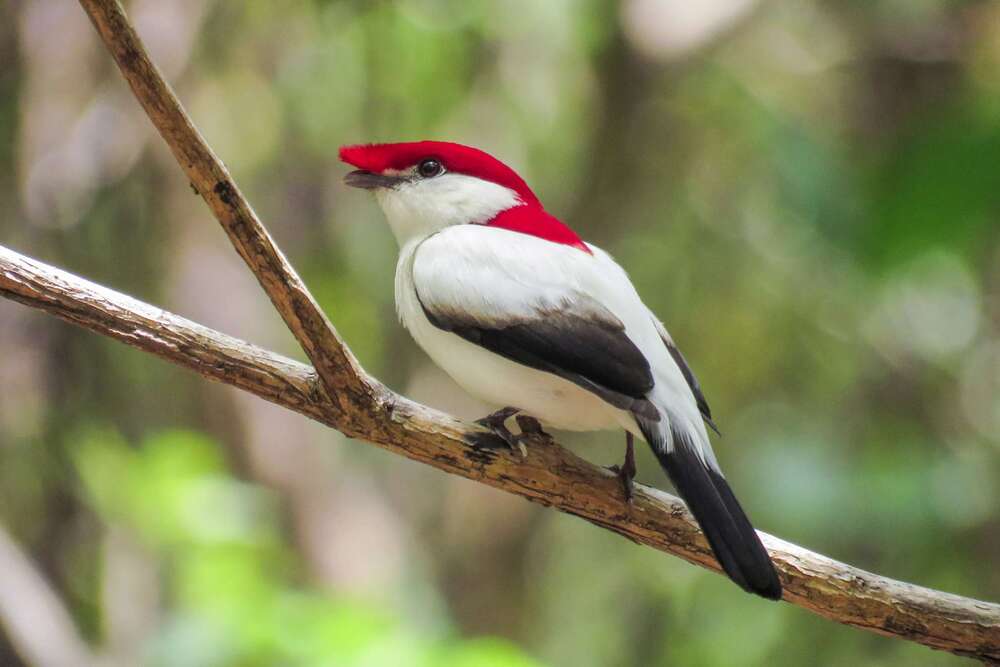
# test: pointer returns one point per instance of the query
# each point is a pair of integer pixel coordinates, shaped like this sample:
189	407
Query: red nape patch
535	221
455	158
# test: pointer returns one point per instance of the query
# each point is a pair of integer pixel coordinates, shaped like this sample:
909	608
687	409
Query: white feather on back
491	273
495	380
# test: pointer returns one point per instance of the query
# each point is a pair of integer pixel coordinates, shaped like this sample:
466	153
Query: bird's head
425	186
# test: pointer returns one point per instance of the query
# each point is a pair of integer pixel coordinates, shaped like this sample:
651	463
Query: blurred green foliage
230	579
805	192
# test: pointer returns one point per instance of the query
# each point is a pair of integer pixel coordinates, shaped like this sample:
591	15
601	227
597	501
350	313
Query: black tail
734	541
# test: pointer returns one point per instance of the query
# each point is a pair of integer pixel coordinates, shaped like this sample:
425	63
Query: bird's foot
626	471
497	423
532	427
498	420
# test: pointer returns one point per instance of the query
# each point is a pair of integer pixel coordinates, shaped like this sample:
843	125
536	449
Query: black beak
370	181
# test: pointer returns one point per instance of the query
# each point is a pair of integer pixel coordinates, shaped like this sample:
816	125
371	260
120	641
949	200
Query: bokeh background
807	192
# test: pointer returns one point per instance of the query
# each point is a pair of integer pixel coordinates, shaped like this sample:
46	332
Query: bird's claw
628	486
626	471
532	427
497	419
497	423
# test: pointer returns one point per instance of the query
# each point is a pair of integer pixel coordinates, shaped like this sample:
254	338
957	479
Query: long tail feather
726	526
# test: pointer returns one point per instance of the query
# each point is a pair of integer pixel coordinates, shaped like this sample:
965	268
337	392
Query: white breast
495	380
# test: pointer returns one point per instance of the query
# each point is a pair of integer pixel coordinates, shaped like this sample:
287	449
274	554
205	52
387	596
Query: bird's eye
429	168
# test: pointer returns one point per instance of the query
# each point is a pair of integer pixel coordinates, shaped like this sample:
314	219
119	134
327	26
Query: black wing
583	343
699	397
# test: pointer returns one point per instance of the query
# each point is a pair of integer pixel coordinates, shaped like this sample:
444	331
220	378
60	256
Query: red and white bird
524	315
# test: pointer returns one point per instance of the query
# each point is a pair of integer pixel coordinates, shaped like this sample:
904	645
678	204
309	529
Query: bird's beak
368	180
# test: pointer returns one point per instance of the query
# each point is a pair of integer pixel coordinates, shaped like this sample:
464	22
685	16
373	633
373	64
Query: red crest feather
527	218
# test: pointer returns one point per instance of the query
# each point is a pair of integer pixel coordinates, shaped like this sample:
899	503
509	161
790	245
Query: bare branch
339	371
549	474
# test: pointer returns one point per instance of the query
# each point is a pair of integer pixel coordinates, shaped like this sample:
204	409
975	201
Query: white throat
420	208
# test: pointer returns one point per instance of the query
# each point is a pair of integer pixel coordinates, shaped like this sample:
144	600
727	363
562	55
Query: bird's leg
497	422
531	426
626	471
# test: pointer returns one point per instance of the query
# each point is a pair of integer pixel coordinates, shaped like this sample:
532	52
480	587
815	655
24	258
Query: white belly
500	382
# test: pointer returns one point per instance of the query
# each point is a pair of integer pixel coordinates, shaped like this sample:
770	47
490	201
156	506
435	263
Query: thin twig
549	474
341	374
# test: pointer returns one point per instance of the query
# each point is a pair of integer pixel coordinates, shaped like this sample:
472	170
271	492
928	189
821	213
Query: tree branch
549	474
348	400
340	373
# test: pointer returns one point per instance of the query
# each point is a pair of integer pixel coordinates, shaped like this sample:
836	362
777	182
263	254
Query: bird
526	316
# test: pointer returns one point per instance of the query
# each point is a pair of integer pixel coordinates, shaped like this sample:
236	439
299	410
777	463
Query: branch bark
549	474
341	374
339	394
